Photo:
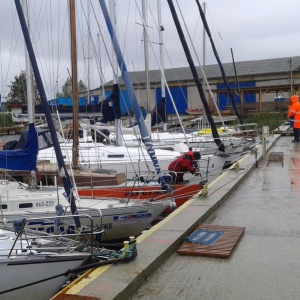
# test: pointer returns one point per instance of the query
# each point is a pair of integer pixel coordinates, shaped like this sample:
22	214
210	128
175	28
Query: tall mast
74	82
29	75
89	52
29	85
204	9
161	56
146	53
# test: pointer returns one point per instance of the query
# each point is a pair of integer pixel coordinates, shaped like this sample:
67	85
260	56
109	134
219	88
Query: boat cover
25	158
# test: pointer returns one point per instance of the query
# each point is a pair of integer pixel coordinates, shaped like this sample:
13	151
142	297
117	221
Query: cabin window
3	206
25	205
115	155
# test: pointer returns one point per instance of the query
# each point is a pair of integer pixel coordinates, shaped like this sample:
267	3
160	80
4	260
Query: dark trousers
296	132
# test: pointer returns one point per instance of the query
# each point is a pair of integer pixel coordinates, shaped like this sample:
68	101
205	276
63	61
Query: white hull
118	222
118	218
100	154
21	271
20	266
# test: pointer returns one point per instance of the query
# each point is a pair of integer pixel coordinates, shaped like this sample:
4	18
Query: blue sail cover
22	159
111	108
159	114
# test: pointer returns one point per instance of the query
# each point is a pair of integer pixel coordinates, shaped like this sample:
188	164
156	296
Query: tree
67	89
18	90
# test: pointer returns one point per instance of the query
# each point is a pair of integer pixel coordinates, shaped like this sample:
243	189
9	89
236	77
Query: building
259	81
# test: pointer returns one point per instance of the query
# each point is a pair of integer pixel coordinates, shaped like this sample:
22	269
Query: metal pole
204	10
74	82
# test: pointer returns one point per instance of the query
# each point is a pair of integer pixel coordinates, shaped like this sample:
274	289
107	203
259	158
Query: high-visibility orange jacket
294	111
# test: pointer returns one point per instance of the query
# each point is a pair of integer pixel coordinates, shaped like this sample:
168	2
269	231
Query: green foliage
67	89
5	120
18	90
273	120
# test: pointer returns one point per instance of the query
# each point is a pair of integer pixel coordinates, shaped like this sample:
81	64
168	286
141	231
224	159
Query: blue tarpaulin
205	237
22	159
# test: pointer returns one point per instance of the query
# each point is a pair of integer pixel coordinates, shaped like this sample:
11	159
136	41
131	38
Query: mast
146	53
29	87
74	82
204	40
236	79
29	83
161	59
215	133
60	161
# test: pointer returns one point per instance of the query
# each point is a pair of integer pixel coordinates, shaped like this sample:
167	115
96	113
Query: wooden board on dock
221	248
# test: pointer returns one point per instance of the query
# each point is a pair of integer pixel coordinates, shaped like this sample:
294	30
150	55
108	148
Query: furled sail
158	114
25	158
146	137
111	108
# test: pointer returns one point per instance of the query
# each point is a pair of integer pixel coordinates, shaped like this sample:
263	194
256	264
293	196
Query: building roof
243	68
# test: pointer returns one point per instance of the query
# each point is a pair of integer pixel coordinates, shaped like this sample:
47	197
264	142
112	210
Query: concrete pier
261	194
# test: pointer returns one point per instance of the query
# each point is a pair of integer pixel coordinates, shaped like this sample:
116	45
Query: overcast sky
254	29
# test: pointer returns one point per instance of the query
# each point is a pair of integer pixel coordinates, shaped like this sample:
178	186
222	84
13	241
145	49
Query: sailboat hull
181	193
23	271
117	218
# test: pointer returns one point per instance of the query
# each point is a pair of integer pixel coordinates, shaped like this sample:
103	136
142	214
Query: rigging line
98	65
166	83
216	32
12	48
201	68
158	29
51	44
103	41
219	62
125	28
60	48
37	42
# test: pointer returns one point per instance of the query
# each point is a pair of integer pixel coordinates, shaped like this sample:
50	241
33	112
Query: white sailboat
36	265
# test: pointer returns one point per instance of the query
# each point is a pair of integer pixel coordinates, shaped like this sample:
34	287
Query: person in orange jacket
294	117
183	164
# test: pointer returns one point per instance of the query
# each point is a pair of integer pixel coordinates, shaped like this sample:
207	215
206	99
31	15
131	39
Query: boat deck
263	198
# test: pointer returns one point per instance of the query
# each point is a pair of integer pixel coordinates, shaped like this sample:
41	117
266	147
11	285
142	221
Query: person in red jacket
183	164
294	116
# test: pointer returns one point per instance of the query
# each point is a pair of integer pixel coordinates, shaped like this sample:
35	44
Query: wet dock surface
264	198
